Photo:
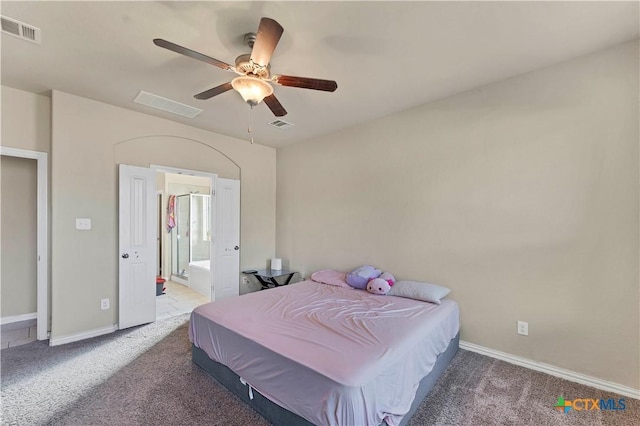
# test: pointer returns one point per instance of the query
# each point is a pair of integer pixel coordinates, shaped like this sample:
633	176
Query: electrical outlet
523	328
104	304
245	280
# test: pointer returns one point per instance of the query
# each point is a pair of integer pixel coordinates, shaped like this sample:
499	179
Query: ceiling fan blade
267	37
306	83
192	54
275	106
207	94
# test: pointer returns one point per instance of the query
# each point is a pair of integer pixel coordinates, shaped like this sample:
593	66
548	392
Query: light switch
83	223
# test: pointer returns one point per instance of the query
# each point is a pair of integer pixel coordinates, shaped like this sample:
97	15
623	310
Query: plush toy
361	276
387	276
382	284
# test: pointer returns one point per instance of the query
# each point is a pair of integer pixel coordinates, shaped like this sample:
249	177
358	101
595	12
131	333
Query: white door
137	246
226	265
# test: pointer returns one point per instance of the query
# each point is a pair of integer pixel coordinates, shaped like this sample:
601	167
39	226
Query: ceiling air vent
21	30
281	124
164	104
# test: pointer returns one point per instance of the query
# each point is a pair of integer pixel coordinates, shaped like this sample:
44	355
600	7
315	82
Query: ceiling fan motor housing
250	39
245	66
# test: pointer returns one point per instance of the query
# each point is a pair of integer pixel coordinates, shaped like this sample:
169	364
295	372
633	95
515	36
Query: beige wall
88	139
26	120
18	202
521	196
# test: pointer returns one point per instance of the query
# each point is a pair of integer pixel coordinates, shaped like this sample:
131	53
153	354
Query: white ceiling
385	56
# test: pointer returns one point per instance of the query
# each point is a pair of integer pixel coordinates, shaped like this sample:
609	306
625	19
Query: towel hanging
171	213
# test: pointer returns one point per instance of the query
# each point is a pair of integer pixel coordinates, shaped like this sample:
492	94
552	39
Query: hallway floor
177	300
17	333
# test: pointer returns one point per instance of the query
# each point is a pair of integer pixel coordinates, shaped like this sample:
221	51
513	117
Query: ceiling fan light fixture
252	89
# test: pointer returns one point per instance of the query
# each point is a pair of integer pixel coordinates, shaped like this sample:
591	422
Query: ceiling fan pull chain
250	122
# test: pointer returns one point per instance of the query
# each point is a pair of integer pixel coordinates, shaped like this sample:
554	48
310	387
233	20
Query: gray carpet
144	376
478	390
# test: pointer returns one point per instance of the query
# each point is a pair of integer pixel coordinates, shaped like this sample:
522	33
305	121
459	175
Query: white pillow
420	291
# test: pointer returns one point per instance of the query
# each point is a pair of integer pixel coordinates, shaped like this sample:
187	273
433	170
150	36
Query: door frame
159	263
212	199
42	161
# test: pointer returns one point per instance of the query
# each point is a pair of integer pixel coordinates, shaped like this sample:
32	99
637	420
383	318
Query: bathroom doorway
191	236
184	241
190	157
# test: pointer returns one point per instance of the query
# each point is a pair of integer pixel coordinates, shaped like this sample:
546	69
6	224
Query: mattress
331	355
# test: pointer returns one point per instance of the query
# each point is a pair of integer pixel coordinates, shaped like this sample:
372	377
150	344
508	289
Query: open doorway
137	210
27	239
144	157
184	241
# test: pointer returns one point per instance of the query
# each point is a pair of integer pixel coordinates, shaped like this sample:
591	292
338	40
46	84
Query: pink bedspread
365	353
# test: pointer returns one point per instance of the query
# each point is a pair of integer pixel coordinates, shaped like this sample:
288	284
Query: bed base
280	416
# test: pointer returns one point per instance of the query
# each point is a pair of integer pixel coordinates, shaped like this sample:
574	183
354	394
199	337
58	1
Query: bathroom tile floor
177	300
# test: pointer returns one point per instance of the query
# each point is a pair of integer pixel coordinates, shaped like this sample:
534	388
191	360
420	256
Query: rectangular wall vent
21	30
281	124
164	104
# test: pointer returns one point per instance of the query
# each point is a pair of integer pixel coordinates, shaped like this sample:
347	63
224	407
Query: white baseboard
17	318
55	341
569	375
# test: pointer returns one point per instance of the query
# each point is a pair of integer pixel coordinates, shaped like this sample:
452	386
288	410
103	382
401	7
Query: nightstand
268	277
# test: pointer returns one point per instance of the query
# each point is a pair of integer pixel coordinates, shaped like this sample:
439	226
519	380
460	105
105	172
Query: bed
311	353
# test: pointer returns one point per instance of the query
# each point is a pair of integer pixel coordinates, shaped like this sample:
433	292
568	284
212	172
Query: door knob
125	255
236	248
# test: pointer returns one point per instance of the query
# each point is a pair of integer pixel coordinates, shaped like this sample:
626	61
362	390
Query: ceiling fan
254	81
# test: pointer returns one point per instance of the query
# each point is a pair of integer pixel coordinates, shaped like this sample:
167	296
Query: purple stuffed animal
361	276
